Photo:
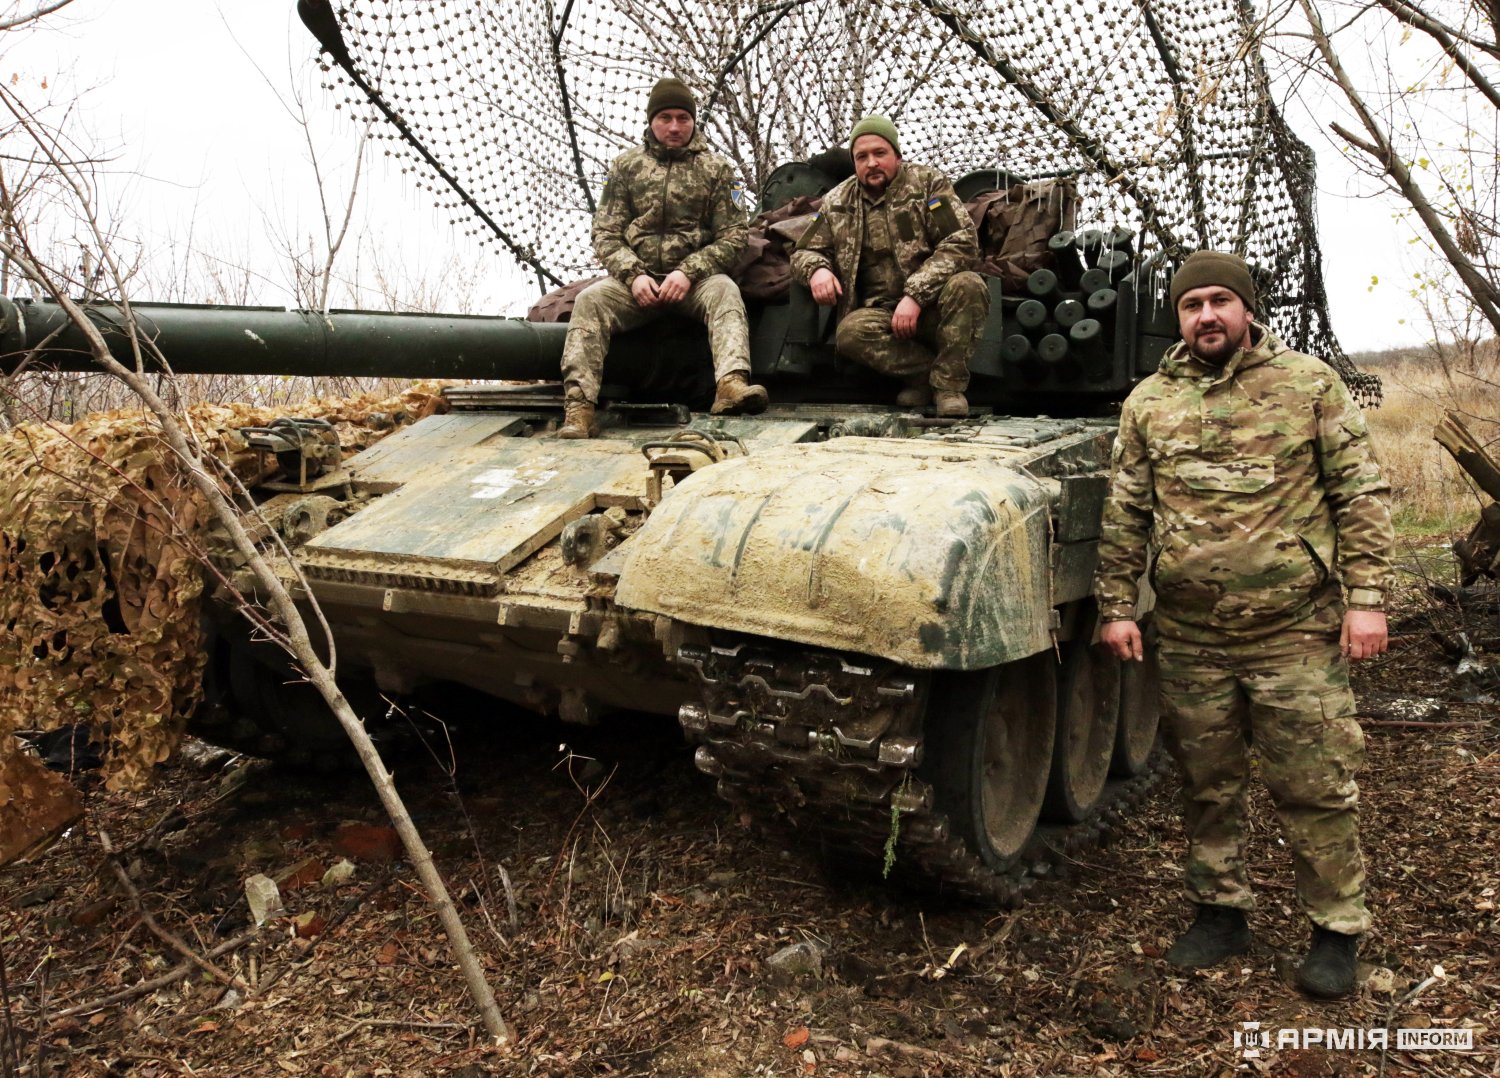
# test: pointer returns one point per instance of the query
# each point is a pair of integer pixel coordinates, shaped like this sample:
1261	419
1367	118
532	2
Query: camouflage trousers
1288	699
946	334
608	308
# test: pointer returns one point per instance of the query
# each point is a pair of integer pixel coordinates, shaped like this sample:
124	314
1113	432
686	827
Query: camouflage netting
102	547
1158	109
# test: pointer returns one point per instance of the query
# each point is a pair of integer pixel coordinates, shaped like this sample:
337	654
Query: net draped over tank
1158	110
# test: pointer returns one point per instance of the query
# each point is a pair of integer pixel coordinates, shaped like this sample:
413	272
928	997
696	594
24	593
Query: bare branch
1483	291
1417	19
1354	140
45	9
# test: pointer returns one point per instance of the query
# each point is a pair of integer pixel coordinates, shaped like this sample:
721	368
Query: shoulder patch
737	192
943	215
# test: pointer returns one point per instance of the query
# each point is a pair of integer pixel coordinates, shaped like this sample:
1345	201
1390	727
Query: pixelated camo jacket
664	210
935	235
1254	483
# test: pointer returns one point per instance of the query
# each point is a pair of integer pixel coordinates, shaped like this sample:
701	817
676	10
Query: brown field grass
1431	494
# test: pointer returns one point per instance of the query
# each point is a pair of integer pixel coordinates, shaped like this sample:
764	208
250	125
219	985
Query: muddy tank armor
873	624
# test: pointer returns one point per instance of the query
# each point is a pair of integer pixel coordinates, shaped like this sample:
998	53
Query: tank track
834	748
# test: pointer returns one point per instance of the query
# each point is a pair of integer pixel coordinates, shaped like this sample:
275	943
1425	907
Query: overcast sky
190	99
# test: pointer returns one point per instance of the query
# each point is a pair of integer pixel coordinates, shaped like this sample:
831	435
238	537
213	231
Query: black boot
1215	934
1328	972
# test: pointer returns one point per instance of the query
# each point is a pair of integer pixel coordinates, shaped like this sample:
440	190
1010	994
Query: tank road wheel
987	751
1140	711
1087	714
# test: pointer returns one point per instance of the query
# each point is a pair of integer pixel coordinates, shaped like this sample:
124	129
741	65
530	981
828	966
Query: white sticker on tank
497	481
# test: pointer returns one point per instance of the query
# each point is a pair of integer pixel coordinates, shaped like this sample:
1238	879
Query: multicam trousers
946	334
607	308
1288	698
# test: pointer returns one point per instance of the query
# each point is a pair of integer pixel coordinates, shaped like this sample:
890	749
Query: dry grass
1431	493
60	397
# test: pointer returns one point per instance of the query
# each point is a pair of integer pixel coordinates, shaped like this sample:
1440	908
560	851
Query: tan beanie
1214	267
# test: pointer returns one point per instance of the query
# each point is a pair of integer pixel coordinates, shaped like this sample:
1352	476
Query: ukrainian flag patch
934	202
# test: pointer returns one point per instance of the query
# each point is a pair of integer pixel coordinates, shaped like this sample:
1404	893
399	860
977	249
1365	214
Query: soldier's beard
876	186
1215	355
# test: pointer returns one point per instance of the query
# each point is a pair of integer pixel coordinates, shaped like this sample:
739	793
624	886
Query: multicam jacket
664	210
1243	488
935	236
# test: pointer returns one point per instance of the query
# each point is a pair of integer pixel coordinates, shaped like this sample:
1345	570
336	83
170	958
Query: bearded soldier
893	249
1245	483
667	228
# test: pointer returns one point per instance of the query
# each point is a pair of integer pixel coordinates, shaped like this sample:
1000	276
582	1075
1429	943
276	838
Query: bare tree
1426	118
215	487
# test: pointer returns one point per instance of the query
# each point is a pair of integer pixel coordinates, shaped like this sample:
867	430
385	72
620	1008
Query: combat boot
735	395
917	394
1328	972
578	420
951	405
1215	934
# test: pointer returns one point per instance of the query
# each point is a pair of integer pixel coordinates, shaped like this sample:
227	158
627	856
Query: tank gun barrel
205	339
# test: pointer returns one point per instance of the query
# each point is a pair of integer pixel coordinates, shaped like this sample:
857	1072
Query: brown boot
951	405
917	394
735	395
578	420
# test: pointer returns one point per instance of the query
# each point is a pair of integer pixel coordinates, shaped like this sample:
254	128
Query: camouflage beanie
671	93
877	125
1214	267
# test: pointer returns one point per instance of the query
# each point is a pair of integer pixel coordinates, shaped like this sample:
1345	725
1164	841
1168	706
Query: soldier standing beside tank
667	228
1245	480
893	249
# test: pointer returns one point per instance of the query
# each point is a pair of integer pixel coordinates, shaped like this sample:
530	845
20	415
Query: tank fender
927	554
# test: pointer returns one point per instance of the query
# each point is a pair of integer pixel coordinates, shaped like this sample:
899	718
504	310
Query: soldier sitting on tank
893	249
667	227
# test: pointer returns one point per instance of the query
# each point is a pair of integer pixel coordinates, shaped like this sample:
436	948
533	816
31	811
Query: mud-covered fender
929	554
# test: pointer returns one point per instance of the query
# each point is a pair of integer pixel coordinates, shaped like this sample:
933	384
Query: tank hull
806	590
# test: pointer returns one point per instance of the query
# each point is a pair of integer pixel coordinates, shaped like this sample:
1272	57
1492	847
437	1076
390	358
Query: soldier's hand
674	288
1364	635
904	320
825	287
1123	638
644	289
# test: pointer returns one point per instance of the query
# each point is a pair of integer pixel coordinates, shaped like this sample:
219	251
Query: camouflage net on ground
1159	110
102	570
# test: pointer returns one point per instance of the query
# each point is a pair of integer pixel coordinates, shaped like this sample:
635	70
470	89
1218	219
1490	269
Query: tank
872	624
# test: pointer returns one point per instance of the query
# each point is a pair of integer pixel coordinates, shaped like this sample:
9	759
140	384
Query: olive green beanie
671	93
877	125
1214	267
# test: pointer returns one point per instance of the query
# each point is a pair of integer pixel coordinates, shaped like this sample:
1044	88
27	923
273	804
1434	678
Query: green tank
872	624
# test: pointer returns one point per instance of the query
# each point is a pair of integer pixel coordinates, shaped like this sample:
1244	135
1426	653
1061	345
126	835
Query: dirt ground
627	920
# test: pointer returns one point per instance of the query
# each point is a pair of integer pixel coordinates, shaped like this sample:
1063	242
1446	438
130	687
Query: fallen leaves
1046	989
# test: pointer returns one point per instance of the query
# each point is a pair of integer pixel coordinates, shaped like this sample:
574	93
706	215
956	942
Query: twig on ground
876	1045
1414	724
169	938
510	898
365	1023
176	973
